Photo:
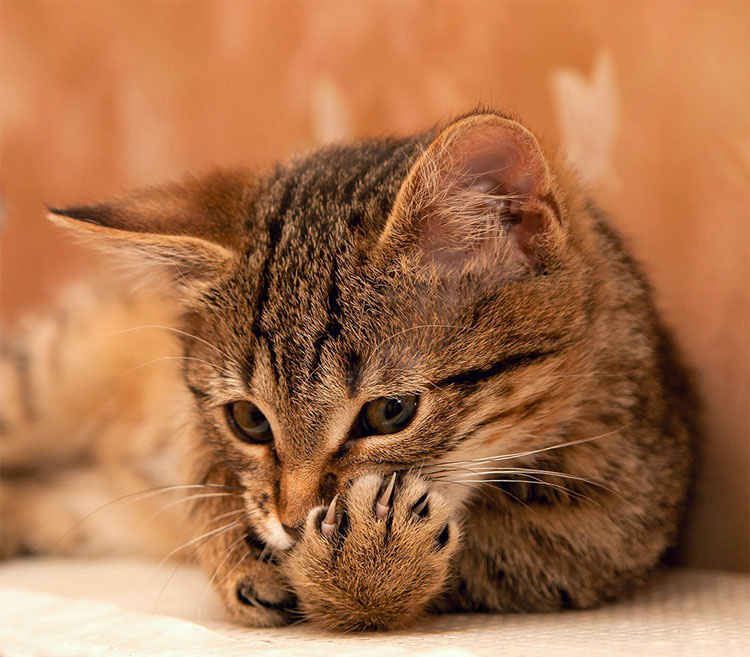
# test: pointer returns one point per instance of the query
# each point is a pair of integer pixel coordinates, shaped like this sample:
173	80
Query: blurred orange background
651	100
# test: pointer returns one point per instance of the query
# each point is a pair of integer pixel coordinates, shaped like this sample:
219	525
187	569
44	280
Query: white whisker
138	496
421	326
189	498
180	332
207	588
214	533
516	455
164	358
531	481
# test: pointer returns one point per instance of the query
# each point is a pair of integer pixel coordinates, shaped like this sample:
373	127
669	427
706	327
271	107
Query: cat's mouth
259	547
294	532
276	536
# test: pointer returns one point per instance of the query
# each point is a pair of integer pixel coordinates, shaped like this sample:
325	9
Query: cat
397	376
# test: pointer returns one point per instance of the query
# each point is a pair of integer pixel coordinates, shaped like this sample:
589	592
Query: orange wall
652	99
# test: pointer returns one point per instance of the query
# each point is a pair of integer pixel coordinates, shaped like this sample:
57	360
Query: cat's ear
481	194
193	227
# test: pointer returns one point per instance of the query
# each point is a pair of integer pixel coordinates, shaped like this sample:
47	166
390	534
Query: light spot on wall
331	120
588	116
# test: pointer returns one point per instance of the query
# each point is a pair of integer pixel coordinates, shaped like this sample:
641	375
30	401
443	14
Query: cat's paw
379	560
253	589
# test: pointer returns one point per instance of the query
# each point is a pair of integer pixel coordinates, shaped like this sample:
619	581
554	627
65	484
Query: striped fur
313	288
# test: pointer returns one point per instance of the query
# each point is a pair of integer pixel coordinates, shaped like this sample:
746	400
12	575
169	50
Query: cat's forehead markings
260	377
353	368
236	385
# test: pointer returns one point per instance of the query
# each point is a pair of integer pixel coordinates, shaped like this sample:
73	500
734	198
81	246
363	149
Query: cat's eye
248	422
388	414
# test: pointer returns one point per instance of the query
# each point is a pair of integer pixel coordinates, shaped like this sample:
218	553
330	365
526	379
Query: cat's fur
552	436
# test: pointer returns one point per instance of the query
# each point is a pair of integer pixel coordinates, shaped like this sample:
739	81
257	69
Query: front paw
249	581
380	560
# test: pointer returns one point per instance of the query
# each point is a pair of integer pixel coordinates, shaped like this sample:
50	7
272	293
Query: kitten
415	374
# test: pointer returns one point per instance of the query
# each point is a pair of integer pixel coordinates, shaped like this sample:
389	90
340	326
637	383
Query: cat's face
367	309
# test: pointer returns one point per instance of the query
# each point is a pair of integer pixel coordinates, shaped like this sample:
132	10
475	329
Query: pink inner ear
489	197
497	160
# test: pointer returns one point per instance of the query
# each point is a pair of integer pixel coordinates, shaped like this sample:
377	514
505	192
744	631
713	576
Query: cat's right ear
193	227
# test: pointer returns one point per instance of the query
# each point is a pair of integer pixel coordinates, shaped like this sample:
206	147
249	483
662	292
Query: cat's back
101	362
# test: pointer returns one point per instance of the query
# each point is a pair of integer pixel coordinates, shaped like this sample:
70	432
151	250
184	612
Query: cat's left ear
480	195
192	227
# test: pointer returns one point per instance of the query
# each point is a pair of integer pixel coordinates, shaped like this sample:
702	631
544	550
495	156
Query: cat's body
538	420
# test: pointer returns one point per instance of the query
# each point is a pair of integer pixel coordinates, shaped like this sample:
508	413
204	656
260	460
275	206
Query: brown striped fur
498	294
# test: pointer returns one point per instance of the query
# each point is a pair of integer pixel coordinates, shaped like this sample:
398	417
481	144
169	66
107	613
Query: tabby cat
393	376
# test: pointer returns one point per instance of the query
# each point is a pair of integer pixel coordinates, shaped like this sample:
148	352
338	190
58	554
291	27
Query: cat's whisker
552	473
530	481
206	536
421	326
474	489
478	489
232	569
260	558
434	473
183	358
516	455
436	468
166	584
532	471
213	533
180	332
138	496
565	489
183	500
227	515
190	498
207	588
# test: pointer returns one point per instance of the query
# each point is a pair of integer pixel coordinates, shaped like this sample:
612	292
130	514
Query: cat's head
367	308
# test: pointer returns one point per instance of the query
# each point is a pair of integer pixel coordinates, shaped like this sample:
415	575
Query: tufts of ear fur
480	195
191	228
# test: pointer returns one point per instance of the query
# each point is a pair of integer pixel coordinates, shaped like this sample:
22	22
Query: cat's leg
383	560
90	400
575	555
242	570
247	578
87	511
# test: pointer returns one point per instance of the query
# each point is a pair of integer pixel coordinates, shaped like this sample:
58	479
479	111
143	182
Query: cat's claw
383	505
419	510
328	526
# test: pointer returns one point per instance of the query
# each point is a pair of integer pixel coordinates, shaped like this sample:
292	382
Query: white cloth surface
119	608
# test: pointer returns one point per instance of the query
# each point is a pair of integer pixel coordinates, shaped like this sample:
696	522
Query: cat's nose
294	532
299	491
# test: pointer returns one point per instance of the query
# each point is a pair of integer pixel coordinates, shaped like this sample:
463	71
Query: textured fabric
118	608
